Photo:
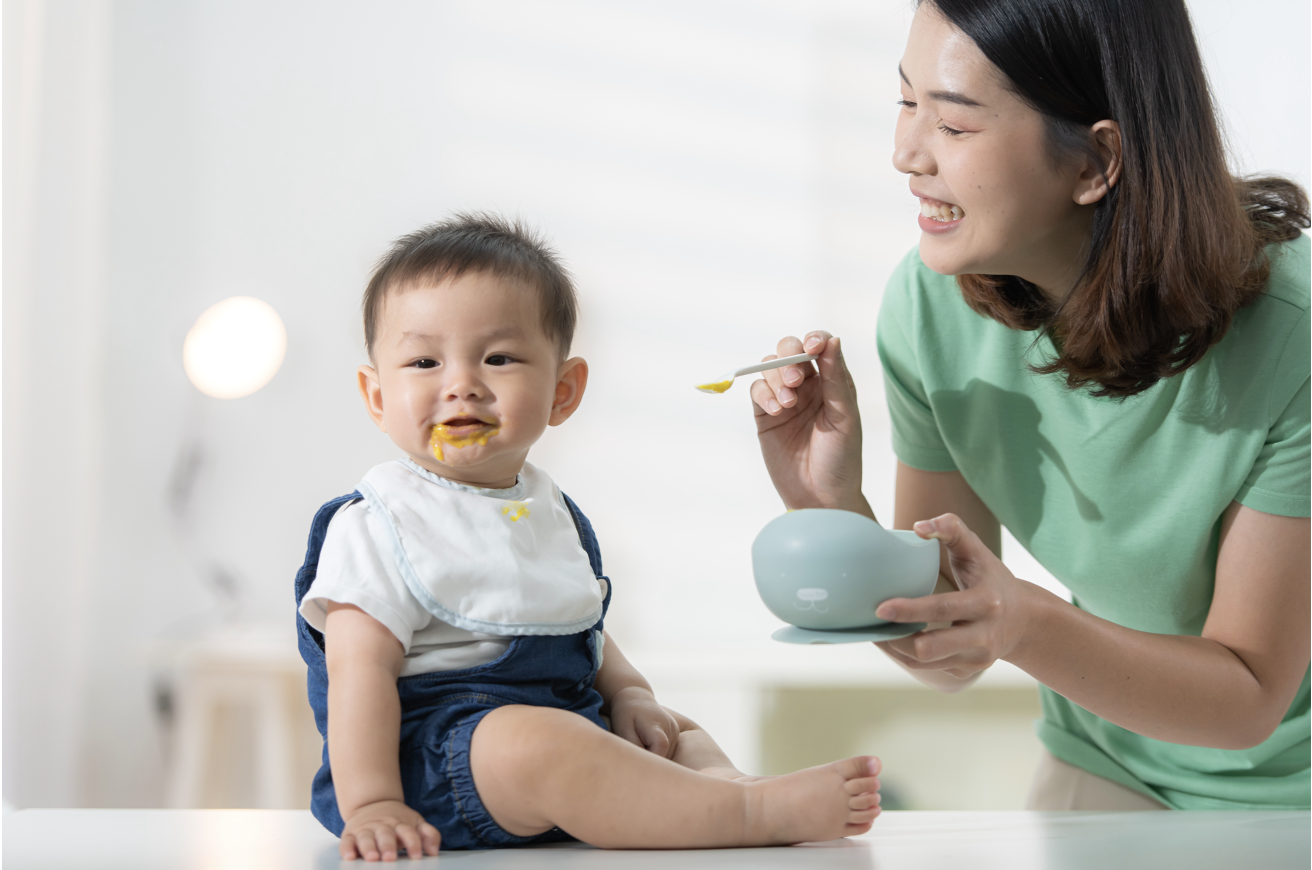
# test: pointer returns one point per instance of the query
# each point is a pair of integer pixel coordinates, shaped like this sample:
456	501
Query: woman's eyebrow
944	96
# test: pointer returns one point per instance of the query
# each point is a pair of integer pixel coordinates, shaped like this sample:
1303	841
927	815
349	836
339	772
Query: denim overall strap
588	538
309	640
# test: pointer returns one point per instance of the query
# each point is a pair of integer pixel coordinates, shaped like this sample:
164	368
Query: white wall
55	159
716	173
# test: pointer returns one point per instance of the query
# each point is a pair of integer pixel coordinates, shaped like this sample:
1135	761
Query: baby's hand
635	716
373	830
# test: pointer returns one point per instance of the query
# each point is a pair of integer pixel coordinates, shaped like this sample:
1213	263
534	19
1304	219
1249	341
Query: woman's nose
910	152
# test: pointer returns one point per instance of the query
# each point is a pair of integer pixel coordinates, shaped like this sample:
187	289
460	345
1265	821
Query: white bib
506	564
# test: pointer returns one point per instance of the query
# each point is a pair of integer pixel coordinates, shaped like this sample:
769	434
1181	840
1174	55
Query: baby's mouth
464	426
943	212
460	431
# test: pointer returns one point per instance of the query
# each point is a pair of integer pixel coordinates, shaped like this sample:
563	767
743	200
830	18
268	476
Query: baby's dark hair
476	242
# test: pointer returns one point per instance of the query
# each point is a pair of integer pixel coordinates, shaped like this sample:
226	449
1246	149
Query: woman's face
992	200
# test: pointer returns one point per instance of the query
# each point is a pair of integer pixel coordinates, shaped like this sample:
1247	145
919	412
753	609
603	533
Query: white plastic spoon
724	382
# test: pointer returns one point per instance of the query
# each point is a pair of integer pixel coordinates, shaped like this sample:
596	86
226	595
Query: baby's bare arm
364	734
631	705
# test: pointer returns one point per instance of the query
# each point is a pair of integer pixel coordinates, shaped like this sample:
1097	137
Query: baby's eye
425	363
497	359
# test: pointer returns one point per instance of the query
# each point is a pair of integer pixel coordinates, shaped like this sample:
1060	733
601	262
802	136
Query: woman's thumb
965	549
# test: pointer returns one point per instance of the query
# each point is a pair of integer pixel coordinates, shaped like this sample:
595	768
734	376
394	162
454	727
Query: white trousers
1061	786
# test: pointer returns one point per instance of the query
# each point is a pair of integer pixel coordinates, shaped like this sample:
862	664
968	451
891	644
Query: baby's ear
372	393
571	381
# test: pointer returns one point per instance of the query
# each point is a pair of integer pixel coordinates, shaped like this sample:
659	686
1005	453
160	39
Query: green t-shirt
1120	500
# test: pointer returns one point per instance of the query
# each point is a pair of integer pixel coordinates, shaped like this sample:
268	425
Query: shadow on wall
969	751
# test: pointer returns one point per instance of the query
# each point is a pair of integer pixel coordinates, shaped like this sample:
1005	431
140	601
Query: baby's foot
819	803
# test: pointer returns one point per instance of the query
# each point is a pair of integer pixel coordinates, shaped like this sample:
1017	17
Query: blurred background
716	174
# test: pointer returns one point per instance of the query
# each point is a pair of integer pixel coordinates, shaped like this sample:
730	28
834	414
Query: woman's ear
570	384
372	393
1096	180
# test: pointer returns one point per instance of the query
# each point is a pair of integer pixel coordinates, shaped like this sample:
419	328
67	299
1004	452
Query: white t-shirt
503	562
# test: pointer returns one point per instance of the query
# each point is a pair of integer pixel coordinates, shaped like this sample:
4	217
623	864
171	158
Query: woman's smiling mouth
943	212
937	216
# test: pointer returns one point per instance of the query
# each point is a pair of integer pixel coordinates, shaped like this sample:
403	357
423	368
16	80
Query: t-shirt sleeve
353	570
916	437
1280	479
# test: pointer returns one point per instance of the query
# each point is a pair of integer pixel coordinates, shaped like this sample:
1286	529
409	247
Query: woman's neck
1056	265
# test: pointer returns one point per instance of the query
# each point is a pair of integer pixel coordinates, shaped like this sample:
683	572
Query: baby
451	609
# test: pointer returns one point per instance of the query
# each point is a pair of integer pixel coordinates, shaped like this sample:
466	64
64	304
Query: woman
1118	373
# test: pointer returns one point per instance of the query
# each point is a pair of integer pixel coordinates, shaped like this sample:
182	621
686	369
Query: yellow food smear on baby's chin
520	510
716	386
442	435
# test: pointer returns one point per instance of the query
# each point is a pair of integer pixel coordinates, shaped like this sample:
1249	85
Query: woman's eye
949	130
425	363
906	104
497	359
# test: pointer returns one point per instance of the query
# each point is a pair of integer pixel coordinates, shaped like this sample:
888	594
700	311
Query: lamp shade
235	348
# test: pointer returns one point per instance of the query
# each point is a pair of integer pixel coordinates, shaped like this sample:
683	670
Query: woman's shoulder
1277	320
1290	283
1269	344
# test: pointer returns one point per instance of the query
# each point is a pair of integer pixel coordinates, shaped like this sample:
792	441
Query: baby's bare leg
537	768
697	750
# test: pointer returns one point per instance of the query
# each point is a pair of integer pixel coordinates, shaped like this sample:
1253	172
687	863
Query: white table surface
292	840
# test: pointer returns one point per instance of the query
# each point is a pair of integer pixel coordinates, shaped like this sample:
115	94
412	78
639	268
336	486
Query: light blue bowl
825	572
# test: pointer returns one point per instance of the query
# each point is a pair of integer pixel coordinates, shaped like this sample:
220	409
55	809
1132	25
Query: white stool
256	669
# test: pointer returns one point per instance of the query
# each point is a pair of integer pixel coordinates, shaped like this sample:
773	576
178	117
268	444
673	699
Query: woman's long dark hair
1178	244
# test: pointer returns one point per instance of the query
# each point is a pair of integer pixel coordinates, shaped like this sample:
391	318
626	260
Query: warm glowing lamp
235	348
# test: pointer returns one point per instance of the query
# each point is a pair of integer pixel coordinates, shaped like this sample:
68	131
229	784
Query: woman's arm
1227	689
921	494
364	735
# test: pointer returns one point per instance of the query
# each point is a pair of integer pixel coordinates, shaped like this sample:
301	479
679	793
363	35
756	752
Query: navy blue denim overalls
439	711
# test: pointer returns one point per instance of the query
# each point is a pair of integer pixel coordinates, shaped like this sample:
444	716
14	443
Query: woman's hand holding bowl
810	429
989	617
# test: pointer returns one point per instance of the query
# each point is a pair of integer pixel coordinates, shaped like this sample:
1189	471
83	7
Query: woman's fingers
783	381
777	388
765	399
966	552
969	604
839	390
947	649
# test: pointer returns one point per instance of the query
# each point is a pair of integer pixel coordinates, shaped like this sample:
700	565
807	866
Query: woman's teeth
941	211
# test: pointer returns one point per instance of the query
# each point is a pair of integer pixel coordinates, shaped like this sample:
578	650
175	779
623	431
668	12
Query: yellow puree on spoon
716	386
442	435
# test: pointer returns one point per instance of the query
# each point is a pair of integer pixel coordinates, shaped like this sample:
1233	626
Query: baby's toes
855	828
863	801
861	786
860	767
863	817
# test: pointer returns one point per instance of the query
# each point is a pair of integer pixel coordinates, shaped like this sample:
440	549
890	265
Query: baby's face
470	357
